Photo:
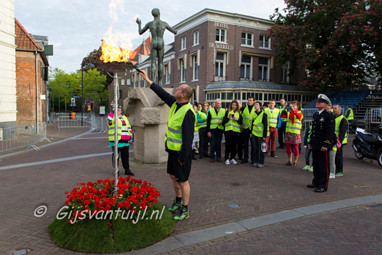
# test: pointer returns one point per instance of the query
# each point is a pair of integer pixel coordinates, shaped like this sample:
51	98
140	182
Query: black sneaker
183	213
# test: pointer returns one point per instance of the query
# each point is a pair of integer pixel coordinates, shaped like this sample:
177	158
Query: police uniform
321	136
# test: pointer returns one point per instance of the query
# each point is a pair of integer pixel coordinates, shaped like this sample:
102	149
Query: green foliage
111	236
64	86
338	42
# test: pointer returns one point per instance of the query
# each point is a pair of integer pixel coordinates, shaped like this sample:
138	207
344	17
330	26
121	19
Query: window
195	67
183	43
246	39
246	67
263	69
265	42
285	72
122	82
220	66
196	38
182	70
220	35
167	73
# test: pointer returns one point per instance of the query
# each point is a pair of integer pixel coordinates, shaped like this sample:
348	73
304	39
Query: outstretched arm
171	29
141	31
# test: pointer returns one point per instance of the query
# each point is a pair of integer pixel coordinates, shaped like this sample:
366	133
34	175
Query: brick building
31	78
228	56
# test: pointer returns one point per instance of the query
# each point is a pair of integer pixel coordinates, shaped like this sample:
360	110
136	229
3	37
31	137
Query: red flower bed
89	199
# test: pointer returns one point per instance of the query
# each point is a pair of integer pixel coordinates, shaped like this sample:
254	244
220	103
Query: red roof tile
23	39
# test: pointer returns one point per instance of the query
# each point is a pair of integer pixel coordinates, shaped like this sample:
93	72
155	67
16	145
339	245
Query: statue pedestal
147	114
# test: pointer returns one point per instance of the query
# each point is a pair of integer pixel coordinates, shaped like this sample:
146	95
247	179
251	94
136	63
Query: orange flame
114	54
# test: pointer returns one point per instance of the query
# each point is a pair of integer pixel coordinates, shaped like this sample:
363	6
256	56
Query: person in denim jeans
215	130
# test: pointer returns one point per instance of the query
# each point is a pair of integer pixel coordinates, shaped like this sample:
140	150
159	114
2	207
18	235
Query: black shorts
181	173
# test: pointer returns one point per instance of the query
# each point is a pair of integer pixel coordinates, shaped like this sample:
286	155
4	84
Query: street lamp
87	66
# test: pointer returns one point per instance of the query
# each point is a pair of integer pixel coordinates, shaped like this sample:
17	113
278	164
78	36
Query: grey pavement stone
209	233
270	219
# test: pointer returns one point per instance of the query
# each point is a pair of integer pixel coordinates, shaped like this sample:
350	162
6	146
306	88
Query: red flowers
93	197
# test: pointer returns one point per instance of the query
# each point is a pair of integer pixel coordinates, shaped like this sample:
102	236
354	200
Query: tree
338	42
64	86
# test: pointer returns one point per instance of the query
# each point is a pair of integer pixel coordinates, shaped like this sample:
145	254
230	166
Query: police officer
321	141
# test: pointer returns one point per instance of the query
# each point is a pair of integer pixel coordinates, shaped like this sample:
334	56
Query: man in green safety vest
281	131
274	121
215	130
178	141
247	112
349	115
341	131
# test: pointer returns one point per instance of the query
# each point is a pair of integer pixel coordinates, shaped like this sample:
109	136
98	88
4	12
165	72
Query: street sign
76	96
72	101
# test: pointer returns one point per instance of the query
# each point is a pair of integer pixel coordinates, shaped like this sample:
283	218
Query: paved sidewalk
214	187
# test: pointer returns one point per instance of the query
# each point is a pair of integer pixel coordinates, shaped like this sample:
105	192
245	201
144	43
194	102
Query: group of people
251	124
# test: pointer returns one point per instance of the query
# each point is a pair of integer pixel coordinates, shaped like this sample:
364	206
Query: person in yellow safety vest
124	136
340	130
349	115
308	151
178	141
274	120
195	142
215	130
232	121
201	125
259	132
247	113
239	143
332	152
281	132
293	132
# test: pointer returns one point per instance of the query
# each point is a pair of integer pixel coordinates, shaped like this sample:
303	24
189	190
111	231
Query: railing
73	122
373	117
12	138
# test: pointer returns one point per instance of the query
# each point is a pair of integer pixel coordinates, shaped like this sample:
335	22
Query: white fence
22	136
88	121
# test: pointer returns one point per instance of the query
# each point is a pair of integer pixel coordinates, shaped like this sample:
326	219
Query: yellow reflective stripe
175	131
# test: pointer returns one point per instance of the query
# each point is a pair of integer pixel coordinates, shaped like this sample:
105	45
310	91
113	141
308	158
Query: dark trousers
203	142
281	134
320	169
240	145
216	145
257	154
124	154
340	160
231	141
246	133
307	155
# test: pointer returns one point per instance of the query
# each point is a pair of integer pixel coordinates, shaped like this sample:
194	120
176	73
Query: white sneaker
311	169
306	167
332	176
233	161
227	162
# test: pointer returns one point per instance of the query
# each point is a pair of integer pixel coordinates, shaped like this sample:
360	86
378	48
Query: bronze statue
157	28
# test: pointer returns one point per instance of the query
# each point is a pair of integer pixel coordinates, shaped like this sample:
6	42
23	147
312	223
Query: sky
76	27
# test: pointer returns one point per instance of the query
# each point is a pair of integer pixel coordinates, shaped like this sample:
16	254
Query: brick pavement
214	186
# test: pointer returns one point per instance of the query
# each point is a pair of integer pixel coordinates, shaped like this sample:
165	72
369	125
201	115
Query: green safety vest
232	124
272	117
281	107
258	127
120	128
295	127
351	116
337	128
309	133
173	137
216	118
247	117
203	124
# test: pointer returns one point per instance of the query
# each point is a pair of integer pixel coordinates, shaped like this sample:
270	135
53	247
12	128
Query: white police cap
324	98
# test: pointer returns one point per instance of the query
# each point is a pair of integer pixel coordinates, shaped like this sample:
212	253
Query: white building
7	64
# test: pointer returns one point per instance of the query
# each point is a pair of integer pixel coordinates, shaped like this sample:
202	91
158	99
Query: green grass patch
120	235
